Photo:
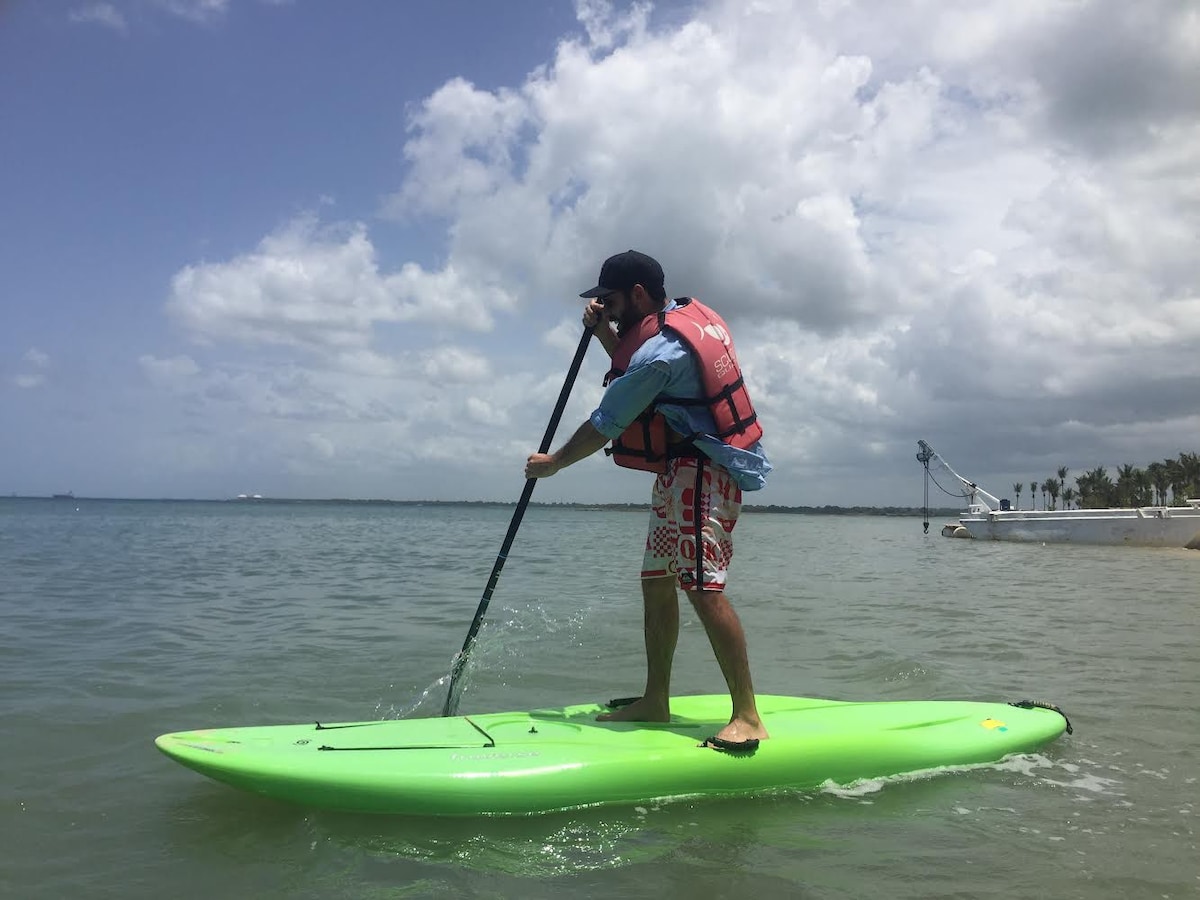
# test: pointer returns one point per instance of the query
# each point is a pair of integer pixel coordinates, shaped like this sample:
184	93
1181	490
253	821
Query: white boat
988	518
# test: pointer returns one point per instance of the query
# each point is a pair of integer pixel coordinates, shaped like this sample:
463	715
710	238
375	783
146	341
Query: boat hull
1159	526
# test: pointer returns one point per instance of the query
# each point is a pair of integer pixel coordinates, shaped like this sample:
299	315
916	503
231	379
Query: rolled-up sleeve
626	397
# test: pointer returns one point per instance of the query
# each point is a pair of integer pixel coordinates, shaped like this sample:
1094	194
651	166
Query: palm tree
1143	488
1095	489
1052	485
1126	484
1158	478
1176	478
1190	463
1086	489
1133	487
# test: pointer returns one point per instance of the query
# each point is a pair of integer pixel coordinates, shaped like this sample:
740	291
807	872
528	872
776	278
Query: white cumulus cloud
321	289
99	14
965	220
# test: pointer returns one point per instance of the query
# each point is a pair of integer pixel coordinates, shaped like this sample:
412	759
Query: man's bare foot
740	730
640	710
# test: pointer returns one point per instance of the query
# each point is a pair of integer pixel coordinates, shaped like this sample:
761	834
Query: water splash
437	687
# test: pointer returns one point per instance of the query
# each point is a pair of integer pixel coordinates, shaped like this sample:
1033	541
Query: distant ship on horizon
69	495
248	497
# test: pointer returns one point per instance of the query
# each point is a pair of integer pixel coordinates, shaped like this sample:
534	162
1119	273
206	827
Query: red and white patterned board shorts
690	491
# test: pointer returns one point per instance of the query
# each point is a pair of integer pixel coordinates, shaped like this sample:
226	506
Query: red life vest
645	443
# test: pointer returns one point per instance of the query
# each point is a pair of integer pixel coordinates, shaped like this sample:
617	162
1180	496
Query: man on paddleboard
675	404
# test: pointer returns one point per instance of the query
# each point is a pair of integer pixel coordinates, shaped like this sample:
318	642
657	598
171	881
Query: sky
316	249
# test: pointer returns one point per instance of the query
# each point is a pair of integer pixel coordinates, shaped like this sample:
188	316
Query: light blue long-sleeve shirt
664	367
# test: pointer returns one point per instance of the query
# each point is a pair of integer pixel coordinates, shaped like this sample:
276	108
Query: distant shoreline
826	510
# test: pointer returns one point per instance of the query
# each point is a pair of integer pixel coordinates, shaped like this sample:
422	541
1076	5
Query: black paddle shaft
460	661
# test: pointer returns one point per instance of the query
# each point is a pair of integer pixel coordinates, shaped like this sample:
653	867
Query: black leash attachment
1042	704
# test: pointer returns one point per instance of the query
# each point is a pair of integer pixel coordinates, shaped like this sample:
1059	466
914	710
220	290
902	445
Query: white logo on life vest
713	330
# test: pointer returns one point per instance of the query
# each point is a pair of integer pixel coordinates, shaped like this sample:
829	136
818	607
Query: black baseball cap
623	271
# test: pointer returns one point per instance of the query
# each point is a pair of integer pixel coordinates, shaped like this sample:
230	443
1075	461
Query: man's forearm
583	443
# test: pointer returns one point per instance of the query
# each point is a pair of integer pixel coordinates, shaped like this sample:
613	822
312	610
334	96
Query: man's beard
628	320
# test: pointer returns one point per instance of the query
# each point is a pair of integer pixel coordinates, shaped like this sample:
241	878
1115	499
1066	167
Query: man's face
621	309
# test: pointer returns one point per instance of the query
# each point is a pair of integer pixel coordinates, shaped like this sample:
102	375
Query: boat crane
978	499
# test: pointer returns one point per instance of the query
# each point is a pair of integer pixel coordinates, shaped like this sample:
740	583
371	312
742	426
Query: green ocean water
121	620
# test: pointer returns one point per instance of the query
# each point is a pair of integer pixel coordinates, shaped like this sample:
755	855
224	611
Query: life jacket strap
726	396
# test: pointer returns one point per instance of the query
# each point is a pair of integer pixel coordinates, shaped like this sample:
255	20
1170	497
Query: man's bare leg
661	611
728	641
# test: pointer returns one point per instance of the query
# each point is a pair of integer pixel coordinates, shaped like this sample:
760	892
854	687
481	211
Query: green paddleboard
552	759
